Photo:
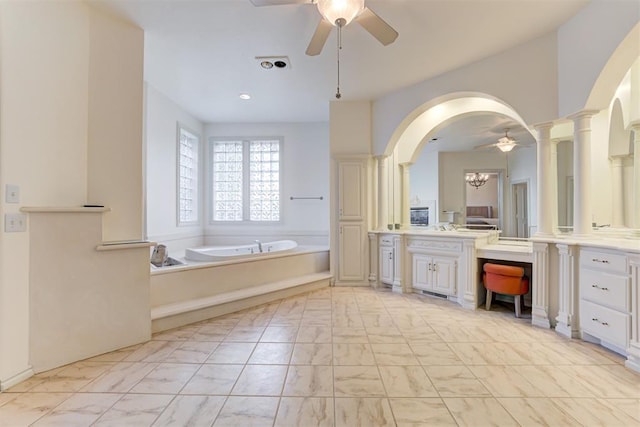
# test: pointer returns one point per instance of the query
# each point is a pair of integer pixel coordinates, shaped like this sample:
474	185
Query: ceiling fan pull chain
338	95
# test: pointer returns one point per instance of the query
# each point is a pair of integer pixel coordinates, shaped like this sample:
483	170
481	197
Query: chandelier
476	179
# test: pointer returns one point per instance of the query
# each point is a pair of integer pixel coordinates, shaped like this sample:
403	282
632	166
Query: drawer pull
595	319
598	287
603	261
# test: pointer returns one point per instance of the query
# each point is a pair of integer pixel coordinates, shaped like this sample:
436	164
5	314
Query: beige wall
47	52
115	125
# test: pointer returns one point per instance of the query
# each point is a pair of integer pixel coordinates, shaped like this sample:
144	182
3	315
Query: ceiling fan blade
483	146
260	3
377	27
319	38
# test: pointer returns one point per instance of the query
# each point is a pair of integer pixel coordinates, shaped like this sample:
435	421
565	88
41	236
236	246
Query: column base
566	331
540	318
633	357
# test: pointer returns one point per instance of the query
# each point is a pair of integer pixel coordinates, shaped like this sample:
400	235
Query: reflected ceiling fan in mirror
504	144
340	13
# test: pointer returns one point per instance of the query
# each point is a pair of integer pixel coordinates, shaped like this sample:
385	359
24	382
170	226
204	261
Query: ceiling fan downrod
340	22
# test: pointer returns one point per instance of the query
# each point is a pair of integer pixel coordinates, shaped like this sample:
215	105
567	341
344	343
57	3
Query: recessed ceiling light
266	64
245	96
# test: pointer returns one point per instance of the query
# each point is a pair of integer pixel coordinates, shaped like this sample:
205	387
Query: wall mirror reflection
470	145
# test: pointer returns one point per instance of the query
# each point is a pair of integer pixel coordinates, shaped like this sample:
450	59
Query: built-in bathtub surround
199	290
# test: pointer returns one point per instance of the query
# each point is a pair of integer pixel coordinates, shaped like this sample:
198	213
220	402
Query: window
246	179
188	147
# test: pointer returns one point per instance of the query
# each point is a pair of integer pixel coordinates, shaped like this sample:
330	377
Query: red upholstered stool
506	280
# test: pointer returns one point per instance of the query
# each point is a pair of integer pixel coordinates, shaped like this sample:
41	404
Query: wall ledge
63	209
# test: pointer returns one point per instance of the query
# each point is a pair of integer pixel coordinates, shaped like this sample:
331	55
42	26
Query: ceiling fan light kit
340	12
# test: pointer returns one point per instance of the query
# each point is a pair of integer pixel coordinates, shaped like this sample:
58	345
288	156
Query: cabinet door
351	191
351	265
444	275
386	265
422	272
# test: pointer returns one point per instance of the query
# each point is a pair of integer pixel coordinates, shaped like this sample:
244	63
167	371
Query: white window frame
245	176
197	192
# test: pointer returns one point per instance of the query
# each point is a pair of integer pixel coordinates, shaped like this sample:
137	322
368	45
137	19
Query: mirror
468	145
565	185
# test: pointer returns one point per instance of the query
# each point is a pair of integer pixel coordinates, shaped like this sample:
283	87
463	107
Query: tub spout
259	245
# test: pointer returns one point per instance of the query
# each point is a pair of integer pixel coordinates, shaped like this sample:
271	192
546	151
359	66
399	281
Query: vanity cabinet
435	274
434	264
605	297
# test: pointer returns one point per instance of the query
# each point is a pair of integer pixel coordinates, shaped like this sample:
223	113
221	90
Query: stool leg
517	304
489	295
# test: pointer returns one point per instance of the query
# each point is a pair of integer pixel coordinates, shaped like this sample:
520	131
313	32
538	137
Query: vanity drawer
609	325
605	288
604	261
386	240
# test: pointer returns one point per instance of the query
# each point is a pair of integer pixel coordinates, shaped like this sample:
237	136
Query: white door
520	210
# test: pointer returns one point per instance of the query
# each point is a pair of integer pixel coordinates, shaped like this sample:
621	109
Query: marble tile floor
340	357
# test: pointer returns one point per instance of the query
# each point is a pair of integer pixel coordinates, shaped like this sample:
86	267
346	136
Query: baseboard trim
7	383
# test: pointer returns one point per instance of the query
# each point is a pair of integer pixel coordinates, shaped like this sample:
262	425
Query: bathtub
227	253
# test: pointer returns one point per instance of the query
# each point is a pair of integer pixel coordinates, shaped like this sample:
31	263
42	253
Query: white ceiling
201	54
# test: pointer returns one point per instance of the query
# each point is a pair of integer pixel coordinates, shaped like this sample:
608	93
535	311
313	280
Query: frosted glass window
188	147
246	180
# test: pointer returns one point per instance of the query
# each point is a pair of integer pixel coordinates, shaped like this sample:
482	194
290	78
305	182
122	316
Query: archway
415	130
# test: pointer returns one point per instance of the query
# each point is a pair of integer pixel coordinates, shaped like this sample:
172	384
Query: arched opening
445	175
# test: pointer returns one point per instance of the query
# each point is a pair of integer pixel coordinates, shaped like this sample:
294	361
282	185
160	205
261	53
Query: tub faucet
259	245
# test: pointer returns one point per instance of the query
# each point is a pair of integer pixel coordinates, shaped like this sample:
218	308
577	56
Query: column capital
582	114
406	165
635	126
381	157
543	125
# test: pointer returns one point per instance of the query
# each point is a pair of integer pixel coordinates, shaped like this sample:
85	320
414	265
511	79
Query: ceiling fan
340	13
504	144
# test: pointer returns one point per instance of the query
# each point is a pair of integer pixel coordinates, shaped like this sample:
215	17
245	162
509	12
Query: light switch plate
14	223
12	193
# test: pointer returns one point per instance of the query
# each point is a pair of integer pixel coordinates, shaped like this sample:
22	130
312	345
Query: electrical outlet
12	193
14	223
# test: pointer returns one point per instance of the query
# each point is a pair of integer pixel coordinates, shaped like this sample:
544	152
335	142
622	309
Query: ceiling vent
273	62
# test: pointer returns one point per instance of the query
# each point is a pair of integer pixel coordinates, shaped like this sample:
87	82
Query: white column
636	176
633	352
373	260
469	274
398	250
383	193
582	216
545	177
540	286
617	191
553	209
568	324
405	203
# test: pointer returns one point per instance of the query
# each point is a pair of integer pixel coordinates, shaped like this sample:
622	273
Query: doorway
520	211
